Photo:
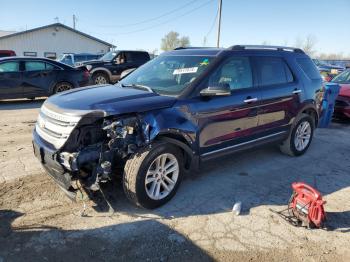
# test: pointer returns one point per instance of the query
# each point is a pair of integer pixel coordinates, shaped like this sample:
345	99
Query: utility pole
74	21
219	24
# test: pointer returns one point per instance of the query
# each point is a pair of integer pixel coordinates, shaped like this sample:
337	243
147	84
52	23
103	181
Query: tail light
86	74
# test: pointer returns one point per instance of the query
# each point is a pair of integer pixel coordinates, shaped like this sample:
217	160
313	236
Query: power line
213	24
167	21
154	18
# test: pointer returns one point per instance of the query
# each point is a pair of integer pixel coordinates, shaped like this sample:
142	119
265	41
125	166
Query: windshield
168	75
342	78
66	59
108	56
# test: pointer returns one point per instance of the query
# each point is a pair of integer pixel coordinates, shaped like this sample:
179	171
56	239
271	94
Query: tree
171	40
307	44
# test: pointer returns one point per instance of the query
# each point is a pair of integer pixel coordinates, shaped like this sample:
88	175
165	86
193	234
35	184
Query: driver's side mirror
217	90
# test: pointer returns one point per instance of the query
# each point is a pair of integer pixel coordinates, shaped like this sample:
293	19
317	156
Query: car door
280	94
38	78
228	121
10	79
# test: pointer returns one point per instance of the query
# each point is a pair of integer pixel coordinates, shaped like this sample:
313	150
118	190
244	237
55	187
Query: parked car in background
77	59
24	77
342	104
110	66
6	53
182	108
328	71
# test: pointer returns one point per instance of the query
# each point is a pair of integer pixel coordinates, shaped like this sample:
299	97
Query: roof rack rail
269	47
191	47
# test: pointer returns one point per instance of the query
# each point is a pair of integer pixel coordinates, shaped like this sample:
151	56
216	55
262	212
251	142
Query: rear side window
235	72
34	66
309	68
136	56
9	67
273	71
38	66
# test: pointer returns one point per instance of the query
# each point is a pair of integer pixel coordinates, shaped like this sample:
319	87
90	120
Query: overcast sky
140	24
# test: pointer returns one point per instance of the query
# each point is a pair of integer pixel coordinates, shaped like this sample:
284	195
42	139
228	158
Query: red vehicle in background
6	53
342	104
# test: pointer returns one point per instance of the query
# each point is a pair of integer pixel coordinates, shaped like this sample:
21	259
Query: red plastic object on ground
306	204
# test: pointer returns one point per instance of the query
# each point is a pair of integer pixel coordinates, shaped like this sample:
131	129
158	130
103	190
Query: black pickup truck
110	66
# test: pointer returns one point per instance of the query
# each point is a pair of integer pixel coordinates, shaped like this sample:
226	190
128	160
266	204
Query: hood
110	99
344	90
94	62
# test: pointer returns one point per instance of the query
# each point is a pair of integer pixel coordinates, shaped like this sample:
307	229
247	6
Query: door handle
250	100
297	91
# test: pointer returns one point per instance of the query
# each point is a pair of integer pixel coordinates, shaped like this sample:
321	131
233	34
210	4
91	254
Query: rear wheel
100	79
152	176
63	86
300	137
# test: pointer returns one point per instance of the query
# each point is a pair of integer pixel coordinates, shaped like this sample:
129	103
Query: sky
141	24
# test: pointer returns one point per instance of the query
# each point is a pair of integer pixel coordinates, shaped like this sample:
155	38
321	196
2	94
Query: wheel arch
179	140
310	110
101	70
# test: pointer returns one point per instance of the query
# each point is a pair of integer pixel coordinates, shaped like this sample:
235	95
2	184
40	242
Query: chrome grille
54	127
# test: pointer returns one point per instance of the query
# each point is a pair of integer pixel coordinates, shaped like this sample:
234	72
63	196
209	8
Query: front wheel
300	137
100	79
153	175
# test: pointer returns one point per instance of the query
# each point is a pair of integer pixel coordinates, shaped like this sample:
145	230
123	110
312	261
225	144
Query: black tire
61	87
288	146
135	171
100	78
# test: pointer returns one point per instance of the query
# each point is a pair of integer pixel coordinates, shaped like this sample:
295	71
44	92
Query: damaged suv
174	112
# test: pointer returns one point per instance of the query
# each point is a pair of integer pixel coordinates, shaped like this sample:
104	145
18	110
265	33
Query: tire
100	79
62	86
290	146
140	166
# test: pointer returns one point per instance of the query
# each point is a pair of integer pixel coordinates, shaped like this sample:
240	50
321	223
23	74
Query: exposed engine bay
94	150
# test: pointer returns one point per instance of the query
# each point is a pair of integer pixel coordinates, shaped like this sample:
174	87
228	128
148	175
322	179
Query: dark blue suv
175	112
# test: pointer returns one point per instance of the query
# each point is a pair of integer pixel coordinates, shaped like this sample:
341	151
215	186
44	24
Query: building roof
12	34
4	33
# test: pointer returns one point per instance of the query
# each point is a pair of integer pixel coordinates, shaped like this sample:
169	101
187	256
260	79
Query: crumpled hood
344	90
110	99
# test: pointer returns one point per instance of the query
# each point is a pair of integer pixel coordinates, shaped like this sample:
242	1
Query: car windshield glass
168	75
342	78
108	56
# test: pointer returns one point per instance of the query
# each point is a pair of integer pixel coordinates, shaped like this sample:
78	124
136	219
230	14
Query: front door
10	80
227	121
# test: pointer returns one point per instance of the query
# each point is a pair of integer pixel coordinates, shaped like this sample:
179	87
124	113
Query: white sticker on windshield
188	70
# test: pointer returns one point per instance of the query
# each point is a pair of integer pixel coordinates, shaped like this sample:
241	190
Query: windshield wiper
137	86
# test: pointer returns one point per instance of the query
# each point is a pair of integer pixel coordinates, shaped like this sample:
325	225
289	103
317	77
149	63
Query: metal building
52	41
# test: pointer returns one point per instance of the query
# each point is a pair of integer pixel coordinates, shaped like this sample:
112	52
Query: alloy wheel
100	80
162	176
63	87
302	136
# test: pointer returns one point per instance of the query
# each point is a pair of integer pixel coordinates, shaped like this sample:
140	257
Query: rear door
10	79
228	121
280	94
38	78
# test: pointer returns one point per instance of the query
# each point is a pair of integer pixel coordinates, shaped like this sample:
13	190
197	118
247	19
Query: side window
235	72
273	71
50	66
34	66
129	57
309	68
9	67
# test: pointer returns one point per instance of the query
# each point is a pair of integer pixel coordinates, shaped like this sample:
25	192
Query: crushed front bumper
48	158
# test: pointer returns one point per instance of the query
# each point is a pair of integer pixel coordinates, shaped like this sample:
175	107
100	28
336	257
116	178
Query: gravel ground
39	223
